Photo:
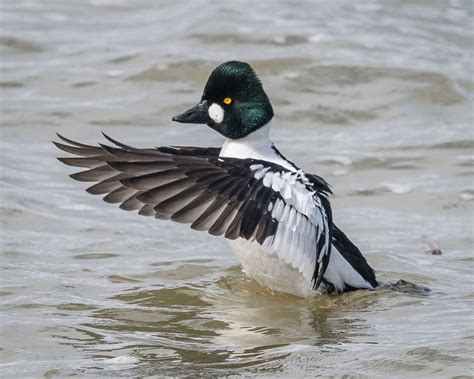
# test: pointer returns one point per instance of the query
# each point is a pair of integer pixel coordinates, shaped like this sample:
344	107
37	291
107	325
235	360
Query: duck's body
277	217
260	262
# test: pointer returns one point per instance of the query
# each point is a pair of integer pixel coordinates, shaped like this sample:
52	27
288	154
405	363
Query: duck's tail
348	269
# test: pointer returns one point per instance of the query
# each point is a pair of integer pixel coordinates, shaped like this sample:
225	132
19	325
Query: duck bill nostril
196	115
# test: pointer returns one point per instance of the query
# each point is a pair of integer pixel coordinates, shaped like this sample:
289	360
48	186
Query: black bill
196	115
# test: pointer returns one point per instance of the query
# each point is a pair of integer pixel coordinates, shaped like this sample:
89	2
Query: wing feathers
81	151
142	168
147	210
149	181
222	223
238	198
93	175
83	162
78	144
108	185
210	215
119	195
131	204
128	155
158	194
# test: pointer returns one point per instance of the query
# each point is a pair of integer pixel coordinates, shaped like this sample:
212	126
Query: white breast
256	145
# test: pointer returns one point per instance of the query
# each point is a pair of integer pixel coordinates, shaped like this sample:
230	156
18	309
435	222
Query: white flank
216	113
340	272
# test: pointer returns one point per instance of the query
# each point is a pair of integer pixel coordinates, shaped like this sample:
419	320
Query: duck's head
233	103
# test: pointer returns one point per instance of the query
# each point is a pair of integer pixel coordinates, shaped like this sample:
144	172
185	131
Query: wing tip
63	147
107	148
64	160
61	137
108	138
117	143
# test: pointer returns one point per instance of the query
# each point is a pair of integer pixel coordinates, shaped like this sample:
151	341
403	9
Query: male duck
277	217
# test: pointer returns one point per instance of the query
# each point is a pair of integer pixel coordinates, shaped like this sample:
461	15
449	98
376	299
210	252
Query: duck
276	217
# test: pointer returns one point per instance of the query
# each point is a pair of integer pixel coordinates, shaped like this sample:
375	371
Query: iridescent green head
233	103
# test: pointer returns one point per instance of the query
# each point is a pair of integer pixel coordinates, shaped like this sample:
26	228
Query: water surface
374	96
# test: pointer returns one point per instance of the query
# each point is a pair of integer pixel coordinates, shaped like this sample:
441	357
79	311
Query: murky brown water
374	96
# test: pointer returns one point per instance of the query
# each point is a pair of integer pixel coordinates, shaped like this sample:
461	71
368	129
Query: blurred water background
375	96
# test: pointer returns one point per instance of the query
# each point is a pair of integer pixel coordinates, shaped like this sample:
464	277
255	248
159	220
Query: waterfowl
277	217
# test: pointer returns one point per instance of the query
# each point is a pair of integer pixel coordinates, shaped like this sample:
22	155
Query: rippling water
374	96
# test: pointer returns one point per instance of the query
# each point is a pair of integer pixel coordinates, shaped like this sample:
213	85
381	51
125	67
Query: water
374	96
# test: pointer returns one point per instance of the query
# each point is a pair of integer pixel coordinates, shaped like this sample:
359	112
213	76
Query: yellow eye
227	101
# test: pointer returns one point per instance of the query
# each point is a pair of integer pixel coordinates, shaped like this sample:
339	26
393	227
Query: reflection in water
231	323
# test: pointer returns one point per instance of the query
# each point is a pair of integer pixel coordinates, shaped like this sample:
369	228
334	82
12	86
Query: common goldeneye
277	217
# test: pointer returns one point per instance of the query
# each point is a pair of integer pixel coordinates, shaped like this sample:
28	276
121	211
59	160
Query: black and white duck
277	217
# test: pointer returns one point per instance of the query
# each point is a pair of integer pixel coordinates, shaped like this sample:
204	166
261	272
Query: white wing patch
302	220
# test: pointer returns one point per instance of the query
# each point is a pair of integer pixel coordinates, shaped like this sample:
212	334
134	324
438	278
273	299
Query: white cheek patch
216	113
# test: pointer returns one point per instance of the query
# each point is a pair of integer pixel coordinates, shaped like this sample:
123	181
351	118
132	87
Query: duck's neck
256	145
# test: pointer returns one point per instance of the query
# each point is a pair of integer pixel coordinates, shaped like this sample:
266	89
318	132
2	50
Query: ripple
122	58
165	297
439	90
88	83
395	366
427	354
20	45
436	87
11	84
74	307
95	256
198	70
185	271
60	114
403	286
121	279
465	160
339	160
395	163
451	145
143	121
120	361
467	195
396	188
331	115
249	38
467	144
194	70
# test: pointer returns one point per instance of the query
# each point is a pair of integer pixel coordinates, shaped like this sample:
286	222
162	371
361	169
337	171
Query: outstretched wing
238	198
